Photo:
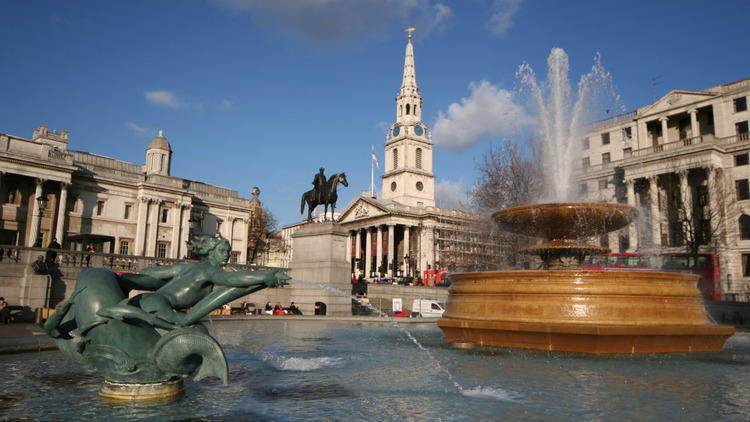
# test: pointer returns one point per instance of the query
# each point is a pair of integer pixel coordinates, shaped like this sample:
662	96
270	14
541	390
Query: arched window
415	109
400	110
745	227
395	158
408	106
419	158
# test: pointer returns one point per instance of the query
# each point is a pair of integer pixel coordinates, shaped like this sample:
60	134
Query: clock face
418	130
396	130
393	186
420	186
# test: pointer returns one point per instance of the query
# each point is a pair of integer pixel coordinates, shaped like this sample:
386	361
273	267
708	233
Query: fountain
562	307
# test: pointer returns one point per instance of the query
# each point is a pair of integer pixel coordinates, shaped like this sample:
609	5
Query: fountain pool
282	370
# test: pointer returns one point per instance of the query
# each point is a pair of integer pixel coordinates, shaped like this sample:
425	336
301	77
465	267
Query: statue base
141	392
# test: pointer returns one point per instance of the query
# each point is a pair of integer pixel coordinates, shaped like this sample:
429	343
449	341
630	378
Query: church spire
408	101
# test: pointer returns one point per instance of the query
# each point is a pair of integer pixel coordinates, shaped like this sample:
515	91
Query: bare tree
507	178
263	227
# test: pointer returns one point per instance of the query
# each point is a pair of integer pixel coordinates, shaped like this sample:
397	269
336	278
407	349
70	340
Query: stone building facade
403	233
683	158
48	191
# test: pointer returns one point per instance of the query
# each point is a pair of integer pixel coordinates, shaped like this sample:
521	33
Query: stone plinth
320	256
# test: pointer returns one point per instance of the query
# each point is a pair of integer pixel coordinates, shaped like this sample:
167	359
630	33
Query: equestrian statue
323	193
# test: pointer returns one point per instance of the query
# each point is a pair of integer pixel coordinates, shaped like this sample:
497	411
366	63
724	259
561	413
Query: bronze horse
329	196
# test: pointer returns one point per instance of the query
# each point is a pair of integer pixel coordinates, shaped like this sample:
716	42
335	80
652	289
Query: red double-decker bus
705	265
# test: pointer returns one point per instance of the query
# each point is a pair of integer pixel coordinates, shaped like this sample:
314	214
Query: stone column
379	249
368	252
33	225
653	191
140	228
391	249
633	227
243	239
712	173
60	229
153	228
357	251
185	230
695	129
174	248
664	129
406	248
685	194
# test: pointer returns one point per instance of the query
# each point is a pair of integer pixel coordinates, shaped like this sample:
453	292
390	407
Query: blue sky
262	93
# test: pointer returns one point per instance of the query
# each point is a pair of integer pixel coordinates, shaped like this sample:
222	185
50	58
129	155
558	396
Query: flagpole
372	175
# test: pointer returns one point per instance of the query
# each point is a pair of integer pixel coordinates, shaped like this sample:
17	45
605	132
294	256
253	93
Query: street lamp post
41	201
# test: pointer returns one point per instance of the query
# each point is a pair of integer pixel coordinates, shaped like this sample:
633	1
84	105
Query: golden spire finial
409	30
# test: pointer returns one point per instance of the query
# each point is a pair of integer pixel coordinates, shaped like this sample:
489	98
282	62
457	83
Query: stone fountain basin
581	311
569	220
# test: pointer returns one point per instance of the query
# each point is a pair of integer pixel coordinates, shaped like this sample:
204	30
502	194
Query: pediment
361	209
676	99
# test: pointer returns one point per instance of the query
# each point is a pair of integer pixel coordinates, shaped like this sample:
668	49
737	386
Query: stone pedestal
320	256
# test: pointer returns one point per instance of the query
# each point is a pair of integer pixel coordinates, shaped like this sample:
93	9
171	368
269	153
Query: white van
427	308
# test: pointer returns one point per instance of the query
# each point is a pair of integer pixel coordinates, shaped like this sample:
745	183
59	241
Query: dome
159	142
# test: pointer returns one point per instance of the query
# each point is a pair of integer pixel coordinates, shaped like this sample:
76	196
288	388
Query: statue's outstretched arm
215	299
266	278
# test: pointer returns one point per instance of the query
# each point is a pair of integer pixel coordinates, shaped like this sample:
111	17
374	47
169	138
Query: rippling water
297	371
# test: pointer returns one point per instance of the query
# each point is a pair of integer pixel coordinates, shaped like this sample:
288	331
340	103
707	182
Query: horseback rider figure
319	185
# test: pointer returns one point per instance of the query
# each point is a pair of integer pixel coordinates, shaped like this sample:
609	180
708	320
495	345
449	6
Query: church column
632	228
174	248
357	251
60	229
153	228
406	250
664	129
140	228
379	249
653	191
391	237
36	217
368	252
695	128
348	254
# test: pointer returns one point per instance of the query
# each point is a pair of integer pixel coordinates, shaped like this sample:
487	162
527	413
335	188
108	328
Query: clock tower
408	177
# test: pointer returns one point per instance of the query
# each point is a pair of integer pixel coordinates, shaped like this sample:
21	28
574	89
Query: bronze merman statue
156	336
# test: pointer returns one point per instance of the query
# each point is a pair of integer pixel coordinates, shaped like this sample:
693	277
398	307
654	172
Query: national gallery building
683	162
87	200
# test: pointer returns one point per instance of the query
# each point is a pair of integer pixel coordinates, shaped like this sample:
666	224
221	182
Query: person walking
52	252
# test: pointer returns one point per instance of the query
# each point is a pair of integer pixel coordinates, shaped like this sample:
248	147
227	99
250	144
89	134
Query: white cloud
227	104
328	23
503	12
164	98
136	128
451	195
487	111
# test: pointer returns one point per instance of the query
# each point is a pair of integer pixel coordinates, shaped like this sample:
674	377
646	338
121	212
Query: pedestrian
268	309
4	311
52	252
89	248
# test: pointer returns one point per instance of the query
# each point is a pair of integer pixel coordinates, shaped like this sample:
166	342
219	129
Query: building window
408	107
585	142
586	162
419	158
740	104
128	211
743	189
627	152
741	127
124	246
99	207
603	184
745	265
744	227
583	188
605	158
234	258
605	138
741	159
161	249
627	133
164	215
395	158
